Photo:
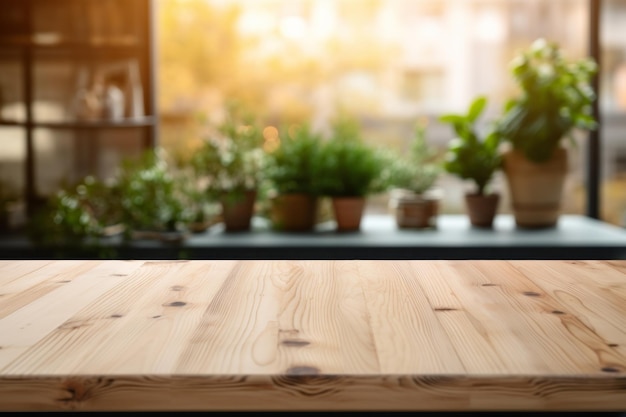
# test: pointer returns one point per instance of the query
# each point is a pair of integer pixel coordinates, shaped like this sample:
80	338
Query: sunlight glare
293	27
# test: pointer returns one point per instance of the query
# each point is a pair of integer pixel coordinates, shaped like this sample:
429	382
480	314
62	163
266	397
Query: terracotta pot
482	208
418	211
294	212
237	210
348	212
536	188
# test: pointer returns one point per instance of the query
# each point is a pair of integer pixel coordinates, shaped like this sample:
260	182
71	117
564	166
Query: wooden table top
313	335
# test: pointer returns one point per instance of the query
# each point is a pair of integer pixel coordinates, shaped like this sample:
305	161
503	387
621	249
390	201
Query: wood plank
407	334
86	342
585	290
311	393
565	344
11	270
315	336
158	326
478	339
298	317
339	341
492	321
34	279
25	327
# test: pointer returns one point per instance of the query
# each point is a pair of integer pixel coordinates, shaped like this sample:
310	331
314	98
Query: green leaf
476	108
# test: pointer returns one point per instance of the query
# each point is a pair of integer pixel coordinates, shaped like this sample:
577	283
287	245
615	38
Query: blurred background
390	63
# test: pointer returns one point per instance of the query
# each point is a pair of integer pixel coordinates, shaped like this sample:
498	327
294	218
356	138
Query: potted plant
229	161
413	198
79	214
471	157
349	170
555	100
151	198
204	210
290	171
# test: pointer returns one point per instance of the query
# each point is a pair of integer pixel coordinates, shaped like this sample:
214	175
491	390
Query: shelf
45	46
79	124
12	123
51	43
575	237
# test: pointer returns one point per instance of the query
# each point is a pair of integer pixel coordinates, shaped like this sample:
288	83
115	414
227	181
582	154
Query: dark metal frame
593	145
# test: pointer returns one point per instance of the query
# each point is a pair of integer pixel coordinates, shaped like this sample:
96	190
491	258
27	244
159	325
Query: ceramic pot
535	188
412	210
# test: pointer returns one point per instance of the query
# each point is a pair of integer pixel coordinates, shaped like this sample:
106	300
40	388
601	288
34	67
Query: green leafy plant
151	195
418	170
347	165
203	208
555	99
88	209
469	156
293	165
147	194
231	156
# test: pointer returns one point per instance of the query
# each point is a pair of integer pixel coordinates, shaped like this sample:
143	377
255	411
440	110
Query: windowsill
574	237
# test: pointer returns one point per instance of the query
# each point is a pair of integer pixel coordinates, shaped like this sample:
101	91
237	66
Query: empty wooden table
313	335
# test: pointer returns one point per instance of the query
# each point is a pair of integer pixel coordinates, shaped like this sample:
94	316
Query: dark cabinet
76	90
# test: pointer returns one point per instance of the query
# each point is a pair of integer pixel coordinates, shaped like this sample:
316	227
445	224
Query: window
389	62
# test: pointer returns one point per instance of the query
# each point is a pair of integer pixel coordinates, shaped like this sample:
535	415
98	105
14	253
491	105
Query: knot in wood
295	342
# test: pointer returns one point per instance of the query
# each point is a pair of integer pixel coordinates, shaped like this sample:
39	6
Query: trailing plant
555	99
347	165
470	156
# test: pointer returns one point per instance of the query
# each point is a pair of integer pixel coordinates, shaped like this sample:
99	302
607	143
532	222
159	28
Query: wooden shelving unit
64	51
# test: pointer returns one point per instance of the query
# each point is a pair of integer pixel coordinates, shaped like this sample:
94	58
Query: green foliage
150	194
469	156
231	157
77	212
556	98
293	165
147	194
416	171
347	165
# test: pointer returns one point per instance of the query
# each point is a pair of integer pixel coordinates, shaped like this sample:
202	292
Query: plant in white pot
555	100
414	199
475	158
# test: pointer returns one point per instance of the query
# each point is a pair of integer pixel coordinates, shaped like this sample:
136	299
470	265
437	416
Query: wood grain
312	335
